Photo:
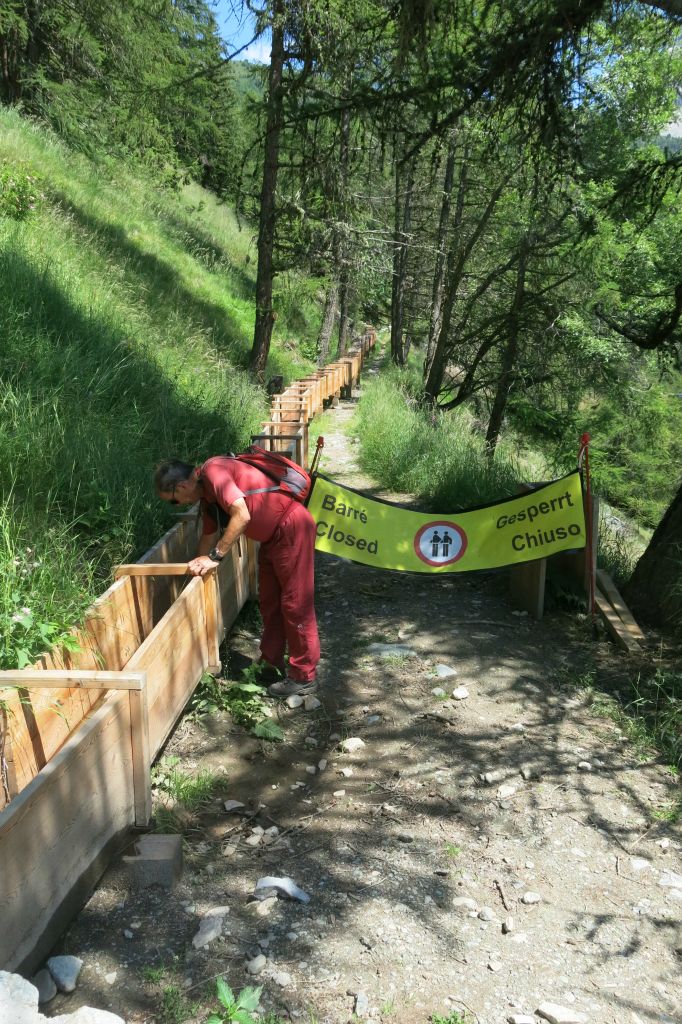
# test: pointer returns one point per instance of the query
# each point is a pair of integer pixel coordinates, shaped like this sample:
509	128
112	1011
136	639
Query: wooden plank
51	679
151	569
612	594
212	623
56	834
141	754
614	625
252	559
174	656
527	587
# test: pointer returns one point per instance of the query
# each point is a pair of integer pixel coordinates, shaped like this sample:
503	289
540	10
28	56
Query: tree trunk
654	591
265	316
438	294
327	327
403	213
344	256
511	348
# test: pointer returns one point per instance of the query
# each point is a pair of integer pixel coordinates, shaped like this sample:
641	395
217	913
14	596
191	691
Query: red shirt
225	481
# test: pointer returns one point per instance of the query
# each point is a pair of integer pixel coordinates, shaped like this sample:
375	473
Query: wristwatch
215	555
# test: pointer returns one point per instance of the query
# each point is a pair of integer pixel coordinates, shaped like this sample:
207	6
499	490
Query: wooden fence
82	730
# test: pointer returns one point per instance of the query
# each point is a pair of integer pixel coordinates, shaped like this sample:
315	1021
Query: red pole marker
584	457
316	456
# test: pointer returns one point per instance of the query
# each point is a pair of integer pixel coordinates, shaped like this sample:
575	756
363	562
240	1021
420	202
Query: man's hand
202	565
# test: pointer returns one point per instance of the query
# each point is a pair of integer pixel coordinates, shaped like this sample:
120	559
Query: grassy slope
126	317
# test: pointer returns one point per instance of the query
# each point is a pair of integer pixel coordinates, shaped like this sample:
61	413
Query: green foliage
236	1009
175	1007
648	710
438	457
245	703
454	1017
19	191
125	318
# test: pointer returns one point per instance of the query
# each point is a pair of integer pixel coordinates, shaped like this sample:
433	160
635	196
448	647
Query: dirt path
477	856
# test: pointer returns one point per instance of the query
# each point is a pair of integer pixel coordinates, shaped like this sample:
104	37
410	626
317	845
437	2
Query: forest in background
491	181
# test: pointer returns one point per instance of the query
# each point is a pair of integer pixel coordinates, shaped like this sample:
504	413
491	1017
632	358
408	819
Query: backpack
290	478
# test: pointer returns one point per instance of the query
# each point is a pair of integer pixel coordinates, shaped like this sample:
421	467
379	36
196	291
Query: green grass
179	795
126	319
437	457
647	709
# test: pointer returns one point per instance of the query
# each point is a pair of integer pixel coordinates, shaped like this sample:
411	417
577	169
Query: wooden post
527	587
139	745
212	625
252	555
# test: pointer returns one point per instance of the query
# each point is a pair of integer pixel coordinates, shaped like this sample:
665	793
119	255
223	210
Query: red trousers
286	594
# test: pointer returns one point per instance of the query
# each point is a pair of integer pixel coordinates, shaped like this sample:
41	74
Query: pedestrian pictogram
440	543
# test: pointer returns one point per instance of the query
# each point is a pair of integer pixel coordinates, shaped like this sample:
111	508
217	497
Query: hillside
126	313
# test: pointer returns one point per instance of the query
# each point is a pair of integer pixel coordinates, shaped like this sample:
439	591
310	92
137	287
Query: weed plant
439	457
178	795
244	701
126	317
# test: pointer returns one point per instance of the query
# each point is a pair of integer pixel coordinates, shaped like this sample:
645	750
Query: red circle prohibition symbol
437	562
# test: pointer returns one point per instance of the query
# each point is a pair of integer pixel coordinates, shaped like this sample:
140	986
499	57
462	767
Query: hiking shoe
289	687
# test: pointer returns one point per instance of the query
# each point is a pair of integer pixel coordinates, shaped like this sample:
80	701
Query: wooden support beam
141	754
57	679
612	594
614	625
151	569
212	627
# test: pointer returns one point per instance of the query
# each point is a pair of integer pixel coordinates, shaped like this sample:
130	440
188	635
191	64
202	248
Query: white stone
584	766
490	778
322	764
111	977
210	927
352	744
18	999
373	719
445	671
521	1018
671	880
86	1015
529	898
282	979
438	691
253	840
346	772
504	792
639	863
295	700
464	903
518	727
311	769
460	693
310	741
256	965
65	971
339	793
486	914
508	925
391	650
312	703
556	1014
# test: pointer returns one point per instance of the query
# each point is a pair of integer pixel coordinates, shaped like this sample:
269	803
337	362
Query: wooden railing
82	729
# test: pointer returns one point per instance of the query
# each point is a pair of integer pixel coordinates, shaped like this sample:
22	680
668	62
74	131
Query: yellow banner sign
543	522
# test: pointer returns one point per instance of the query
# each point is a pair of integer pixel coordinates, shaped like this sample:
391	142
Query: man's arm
239	520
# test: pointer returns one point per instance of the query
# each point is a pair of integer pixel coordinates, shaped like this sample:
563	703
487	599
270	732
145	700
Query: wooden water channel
81	731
